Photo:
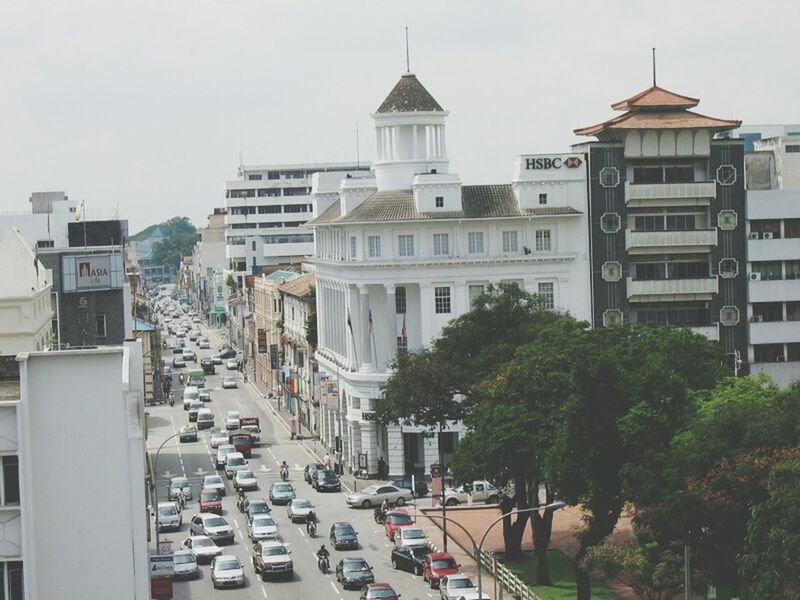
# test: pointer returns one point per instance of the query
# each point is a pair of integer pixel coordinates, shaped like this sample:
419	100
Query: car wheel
264	576
452	502
400	501
418	570
433	587
493	500
394	564
366	504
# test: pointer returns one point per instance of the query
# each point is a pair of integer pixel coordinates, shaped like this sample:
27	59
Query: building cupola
410	135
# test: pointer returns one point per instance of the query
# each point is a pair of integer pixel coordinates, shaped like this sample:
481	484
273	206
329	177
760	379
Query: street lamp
479	549
155	486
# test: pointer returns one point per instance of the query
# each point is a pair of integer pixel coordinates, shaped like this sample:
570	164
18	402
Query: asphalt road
196	459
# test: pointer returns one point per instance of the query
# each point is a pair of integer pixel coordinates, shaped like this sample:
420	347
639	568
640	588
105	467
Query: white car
232	364
203	344
244	479
453	587
482	491
232	419
262	527
298	510
203	547
189	355
234	461
216	360
222	452
227	571
211	525
412	537
229	383
218	438
214	482
374	495
184	565
168	516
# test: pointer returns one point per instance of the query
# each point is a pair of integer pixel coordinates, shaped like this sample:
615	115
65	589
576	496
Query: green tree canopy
179	239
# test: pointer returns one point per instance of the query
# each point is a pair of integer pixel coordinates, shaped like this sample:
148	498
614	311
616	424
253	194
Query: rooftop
299	286
409	95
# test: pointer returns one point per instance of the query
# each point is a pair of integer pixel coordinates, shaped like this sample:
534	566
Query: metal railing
506	578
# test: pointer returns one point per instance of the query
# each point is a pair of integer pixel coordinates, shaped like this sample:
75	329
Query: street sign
165	547
162	565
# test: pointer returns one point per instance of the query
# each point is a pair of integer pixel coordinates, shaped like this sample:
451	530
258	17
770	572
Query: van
197	378
205	418
190	394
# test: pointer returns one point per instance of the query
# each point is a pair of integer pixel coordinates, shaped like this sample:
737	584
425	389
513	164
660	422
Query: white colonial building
400	254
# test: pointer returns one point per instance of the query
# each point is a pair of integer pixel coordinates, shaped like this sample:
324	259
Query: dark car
373	591
354	573
227	353
324	480
420	488
308	472
409	559
343	535
208	366
256	507
210	501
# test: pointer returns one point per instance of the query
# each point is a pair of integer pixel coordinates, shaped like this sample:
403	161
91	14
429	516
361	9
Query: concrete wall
82	475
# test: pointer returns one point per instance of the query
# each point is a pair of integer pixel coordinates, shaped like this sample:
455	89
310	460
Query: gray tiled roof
477	202
409	95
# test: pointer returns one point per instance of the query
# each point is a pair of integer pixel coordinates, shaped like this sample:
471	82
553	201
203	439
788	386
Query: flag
79	211
370	321
403	332
349	321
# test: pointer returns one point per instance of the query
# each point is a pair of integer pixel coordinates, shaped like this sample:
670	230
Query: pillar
425	313
366	354
369	443
396	453
391	323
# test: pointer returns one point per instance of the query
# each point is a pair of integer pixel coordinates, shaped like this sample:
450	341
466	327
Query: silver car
185	564
374	495
452	587
222	452
218	438
227	571
202	546
298	510
262	528
234	461
213	526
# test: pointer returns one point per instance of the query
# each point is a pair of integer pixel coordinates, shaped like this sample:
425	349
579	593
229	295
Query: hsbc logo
542	163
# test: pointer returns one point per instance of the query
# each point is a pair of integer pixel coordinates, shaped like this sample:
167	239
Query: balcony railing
643	291
710	331
670	191
682	241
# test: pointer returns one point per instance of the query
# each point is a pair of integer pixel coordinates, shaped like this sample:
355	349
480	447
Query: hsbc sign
542	163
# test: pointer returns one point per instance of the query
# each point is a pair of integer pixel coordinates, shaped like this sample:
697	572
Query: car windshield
215	480
328	476
257	506
216	522
413	534
400	519
183	559
382	593
210	496
273	551
344	529
203	543
232	414
282	487
227	565
460	583
219	435
240	439
179	482
236	461
303	504
263	522
244	475
355	565
420	553
167	511
445	563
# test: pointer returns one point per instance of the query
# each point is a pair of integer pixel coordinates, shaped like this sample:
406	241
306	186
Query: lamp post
479	549
155	486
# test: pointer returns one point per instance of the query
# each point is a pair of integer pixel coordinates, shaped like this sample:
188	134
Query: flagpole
352	336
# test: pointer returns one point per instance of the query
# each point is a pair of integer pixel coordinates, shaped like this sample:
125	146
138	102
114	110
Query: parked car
272	558
244	479
482	491
262	528
308	471
374	495
168	516
397	519
214	482
188	433
437	565
373	591
203	548
409	559
281	492
326	481
227	571
176	484
354	573
213	526
218	438
343	535
184	565
210	501
256	507
229	383
453	587
420	487
298	510
410	536
234	461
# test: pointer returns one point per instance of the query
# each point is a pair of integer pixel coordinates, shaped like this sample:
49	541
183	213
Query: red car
438	565
384	591
396	519
210	501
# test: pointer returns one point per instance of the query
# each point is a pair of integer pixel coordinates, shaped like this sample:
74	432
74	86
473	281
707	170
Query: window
767	311
543	240
792	311
439	201
542	198
768	352
254	177
353	246
766	228
243	210
510	242
101	326
269	192
475	290
546	295
11	581
793	269
441	244
649	271
269	210
253	246
9	493
609	177
45	244
610	223
791	228
791	149
768	270
374	246
687	270
400	300
295	208
441	296
680	222
475	242
649	223
402	344
669	313
726	174
242	193
405	245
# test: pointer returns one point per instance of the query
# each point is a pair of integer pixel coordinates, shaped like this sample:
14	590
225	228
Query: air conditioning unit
767	235
757	319
753	235
755	276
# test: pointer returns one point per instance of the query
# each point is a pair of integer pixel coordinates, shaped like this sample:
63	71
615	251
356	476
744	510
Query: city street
196	459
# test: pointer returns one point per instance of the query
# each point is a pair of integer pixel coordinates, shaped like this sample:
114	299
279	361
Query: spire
408	60
409	95
654	67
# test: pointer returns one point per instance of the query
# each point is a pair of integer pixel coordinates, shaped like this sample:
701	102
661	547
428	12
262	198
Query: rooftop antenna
358	152
654	67
408	60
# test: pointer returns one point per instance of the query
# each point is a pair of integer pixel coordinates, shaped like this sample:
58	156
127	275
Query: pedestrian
326	460
381	468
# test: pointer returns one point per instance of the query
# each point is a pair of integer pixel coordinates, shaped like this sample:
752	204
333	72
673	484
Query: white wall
82	472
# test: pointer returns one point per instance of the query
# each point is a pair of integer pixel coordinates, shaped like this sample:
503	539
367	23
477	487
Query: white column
395	150
414	142
428	141
424	313
460	300
391	323
365	354
378	144
396	454
369	443
444	143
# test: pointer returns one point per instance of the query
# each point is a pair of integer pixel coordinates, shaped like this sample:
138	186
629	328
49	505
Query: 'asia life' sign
93	272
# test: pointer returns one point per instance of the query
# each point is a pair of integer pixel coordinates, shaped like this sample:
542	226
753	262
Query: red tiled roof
656	97
674	119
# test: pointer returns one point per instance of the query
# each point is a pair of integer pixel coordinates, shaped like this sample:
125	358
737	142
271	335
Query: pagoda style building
667	219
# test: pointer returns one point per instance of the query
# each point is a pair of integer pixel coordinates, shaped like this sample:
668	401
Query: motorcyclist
284	471
240	500
172	399
323	555
180	378
311	519
182	498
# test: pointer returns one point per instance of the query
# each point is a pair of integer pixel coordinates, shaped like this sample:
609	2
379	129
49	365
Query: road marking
263	591
333	585
300	529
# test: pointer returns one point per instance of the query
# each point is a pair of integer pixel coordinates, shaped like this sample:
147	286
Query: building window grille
353	247
9	491
728	268
727	220
612	271
510	242
101	326
546	294
254	177
374	246
441	244
475	242
11	581
610	223
726	174
402	344
400	300
441	297
543	240
474	291
542	198
439	201
405	245
609	177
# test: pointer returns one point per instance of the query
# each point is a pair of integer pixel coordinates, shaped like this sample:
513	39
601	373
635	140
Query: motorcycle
379	515
323	564
312	529
284	474
172	399
240	502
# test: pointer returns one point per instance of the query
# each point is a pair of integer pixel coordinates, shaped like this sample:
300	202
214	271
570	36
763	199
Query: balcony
774	332
672	289
659	242
776	290
710	331
784	373
675	194
773	249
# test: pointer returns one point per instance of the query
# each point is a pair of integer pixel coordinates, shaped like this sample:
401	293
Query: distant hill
144	233
178	237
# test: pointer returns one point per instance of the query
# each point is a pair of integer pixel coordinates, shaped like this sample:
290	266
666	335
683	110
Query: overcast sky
147	105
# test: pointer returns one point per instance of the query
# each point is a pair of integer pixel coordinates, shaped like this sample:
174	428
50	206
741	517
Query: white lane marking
302	533
263	591
333	585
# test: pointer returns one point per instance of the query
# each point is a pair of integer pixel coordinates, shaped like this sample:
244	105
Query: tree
179	239
233	287
311	319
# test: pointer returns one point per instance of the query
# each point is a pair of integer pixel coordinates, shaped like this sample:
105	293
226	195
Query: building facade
668	221
401	254
268	316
